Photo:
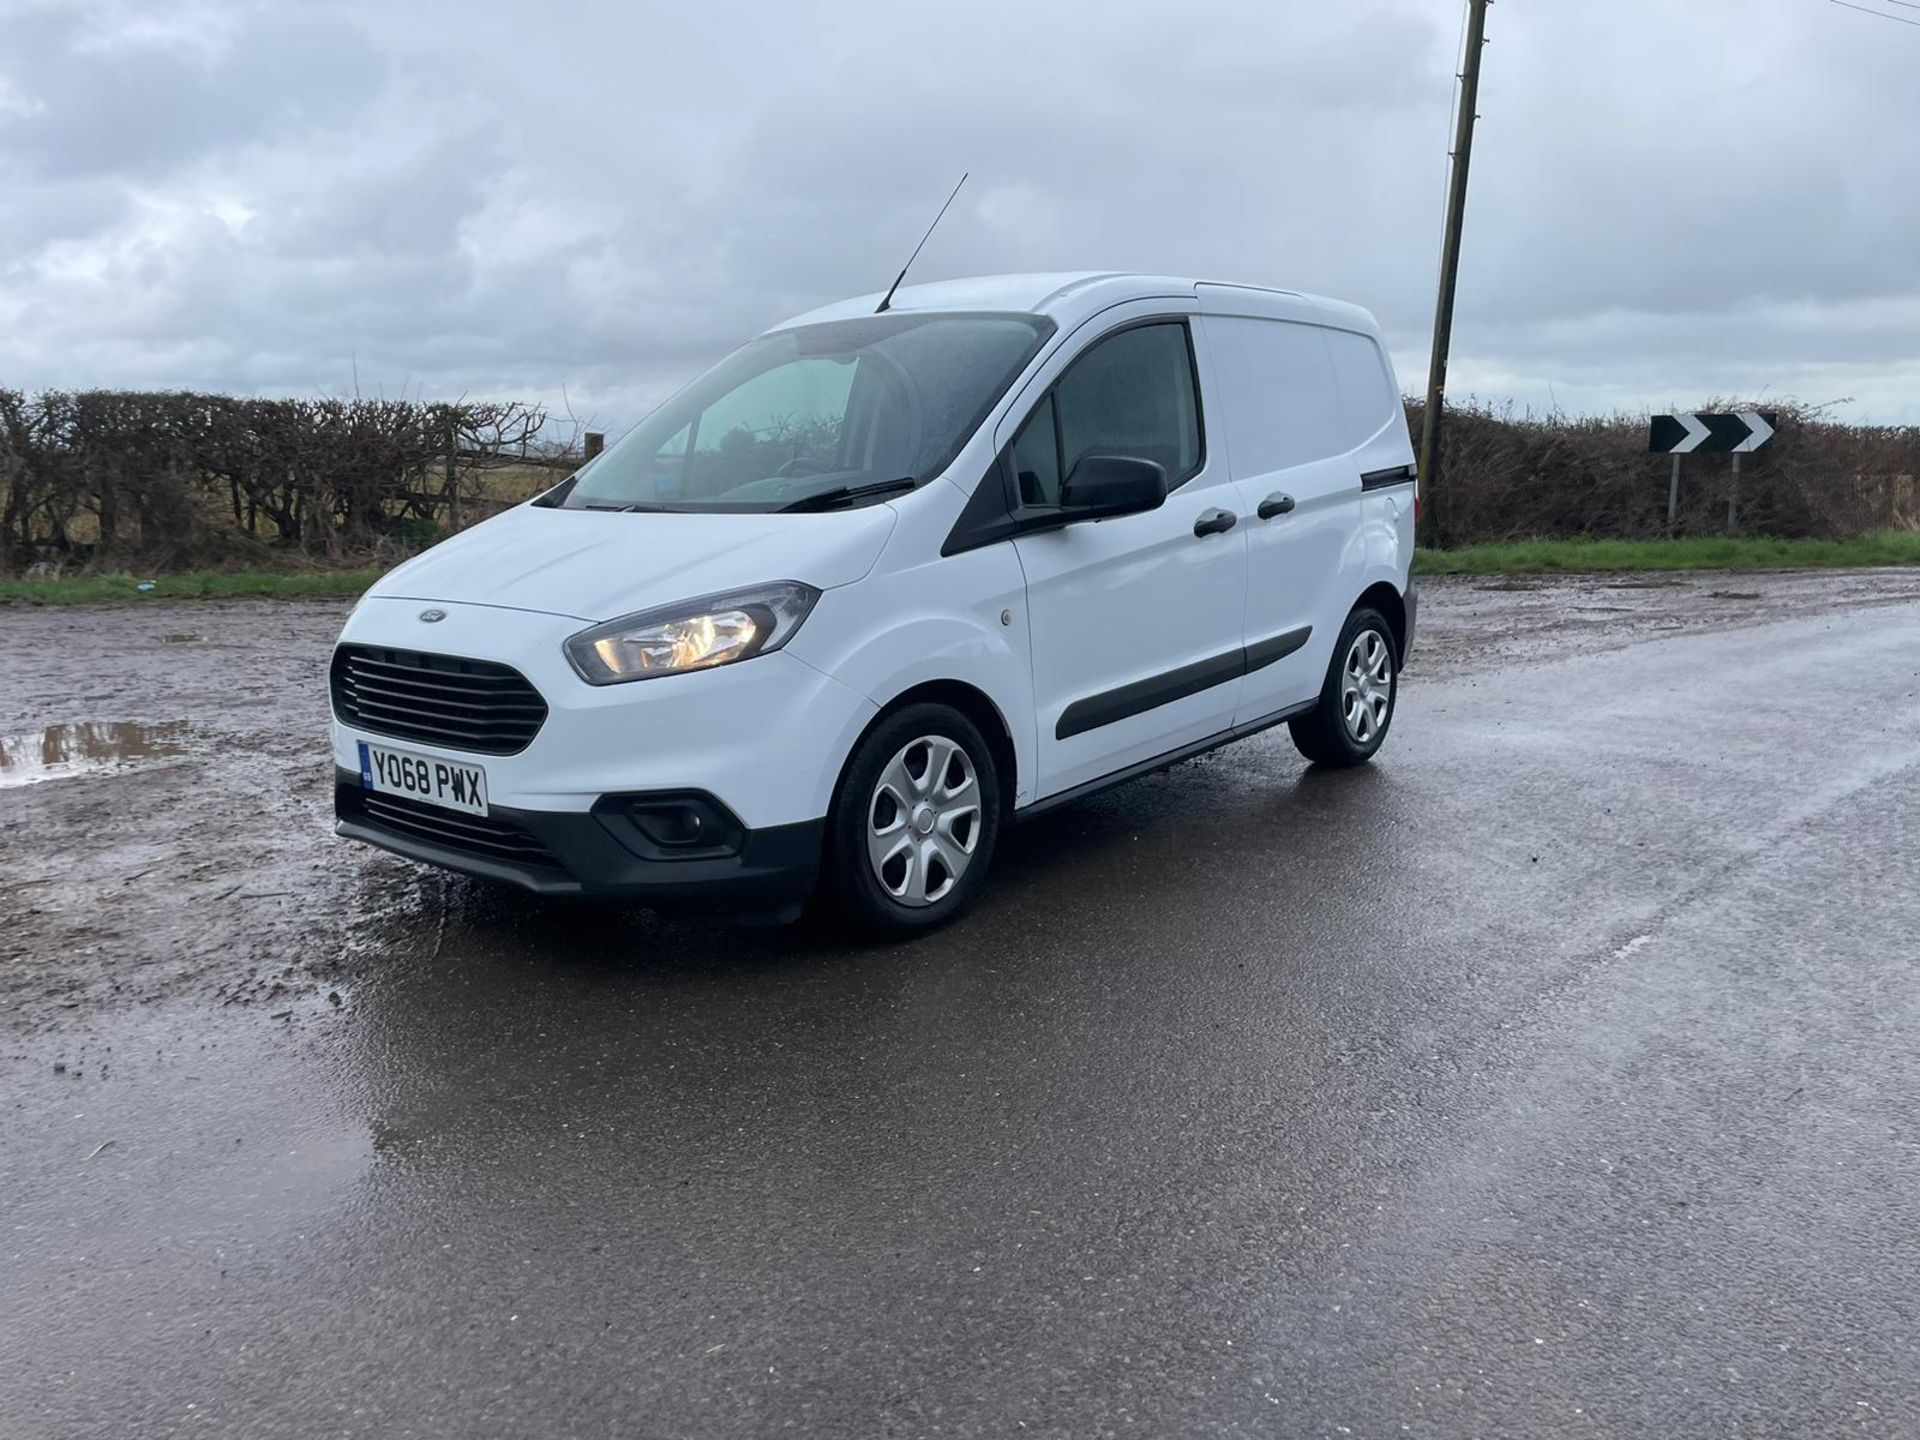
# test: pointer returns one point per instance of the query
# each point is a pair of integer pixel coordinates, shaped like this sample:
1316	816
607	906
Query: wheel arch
969	700
1383	596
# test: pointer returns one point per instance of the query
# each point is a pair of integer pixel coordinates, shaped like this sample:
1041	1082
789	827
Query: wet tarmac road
1554	1076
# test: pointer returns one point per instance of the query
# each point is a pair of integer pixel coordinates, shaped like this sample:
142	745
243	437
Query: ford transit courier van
879	584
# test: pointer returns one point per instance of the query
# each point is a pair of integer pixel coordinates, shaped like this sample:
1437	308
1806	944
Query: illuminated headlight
693	635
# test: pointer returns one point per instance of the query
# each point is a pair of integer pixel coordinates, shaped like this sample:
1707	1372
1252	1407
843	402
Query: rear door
1135	621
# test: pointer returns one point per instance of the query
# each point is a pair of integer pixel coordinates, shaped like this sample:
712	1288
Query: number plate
446	783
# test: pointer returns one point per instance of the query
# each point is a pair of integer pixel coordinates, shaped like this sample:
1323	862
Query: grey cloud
37	216
139	105
460	198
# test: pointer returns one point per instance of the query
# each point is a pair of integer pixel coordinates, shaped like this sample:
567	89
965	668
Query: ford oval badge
433	616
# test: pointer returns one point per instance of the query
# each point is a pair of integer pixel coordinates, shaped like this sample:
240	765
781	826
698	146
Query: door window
1132	394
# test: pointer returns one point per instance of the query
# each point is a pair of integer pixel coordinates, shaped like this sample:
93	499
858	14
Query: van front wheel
1349	722
915	822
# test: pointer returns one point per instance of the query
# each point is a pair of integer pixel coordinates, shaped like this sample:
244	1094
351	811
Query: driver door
1135	620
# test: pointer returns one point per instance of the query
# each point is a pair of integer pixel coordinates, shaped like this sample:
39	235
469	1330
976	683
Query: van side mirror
1102	485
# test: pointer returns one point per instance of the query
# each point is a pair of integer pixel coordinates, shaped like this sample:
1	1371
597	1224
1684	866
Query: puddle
62	750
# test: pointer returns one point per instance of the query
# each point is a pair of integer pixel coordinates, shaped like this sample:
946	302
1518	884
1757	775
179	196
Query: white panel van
879	584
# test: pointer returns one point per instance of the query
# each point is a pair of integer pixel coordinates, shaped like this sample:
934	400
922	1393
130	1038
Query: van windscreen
817	412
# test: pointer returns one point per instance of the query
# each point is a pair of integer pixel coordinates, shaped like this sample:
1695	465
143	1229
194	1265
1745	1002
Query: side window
1132	394
1036	457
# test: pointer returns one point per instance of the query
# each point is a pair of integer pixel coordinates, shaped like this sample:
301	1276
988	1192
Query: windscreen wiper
851	494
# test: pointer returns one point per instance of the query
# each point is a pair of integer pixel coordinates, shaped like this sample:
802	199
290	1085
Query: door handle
1275	504
1215	522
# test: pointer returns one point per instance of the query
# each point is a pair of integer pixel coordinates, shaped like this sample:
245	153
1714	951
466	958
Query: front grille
442	700
474	834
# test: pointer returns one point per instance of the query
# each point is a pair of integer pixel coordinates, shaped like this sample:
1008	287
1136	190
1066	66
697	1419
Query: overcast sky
1673	199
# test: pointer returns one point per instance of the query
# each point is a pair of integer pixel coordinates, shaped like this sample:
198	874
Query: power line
1880	14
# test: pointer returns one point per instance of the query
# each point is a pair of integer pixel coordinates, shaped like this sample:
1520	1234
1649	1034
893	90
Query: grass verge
204	585
1547	557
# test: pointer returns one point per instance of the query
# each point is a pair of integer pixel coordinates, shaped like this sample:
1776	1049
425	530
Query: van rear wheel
915	822
1349	723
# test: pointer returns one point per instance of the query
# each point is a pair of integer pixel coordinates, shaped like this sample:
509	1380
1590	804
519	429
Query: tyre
914	823
1349	722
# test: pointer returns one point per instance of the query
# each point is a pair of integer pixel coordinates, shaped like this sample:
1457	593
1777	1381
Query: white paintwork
1127	599
599	565
1310	406
1762	432
1297	396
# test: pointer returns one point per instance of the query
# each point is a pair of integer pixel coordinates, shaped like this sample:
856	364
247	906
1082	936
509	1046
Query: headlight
693	635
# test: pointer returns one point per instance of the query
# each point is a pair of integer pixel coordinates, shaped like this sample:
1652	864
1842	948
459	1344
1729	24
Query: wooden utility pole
1432	493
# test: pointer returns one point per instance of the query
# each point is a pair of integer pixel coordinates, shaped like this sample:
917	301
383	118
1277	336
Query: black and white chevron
1741	433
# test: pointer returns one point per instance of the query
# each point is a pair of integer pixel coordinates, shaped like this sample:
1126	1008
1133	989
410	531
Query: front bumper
766	737
585	853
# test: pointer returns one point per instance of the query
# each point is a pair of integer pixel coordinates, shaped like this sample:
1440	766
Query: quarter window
1036	457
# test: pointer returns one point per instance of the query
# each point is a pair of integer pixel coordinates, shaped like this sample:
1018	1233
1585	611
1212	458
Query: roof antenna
884	304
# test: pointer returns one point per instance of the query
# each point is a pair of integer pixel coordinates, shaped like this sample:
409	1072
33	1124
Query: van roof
1070	297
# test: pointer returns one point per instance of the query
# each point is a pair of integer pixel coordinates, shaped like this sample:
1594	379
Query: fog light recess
687	826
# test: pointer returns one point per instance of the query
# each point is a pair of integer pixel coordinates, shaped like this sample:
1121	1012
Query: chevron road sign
1737	434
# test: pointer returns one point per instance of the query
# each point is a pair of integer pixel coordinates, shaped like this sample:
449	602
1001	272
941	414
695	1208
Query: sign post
1738	434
